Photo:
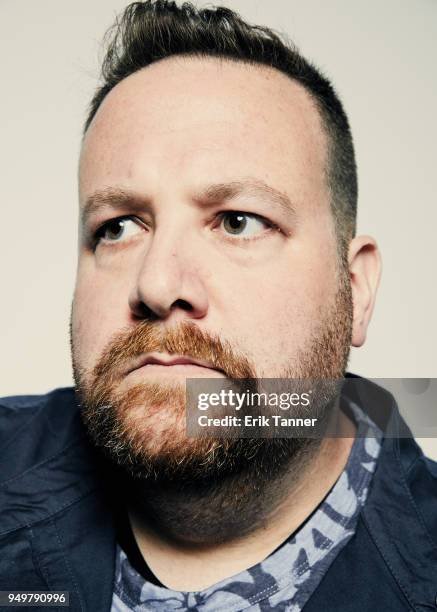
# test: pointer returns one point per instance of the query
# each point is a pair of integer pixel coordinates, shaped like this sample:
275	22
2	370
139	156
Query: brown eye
117	230
234	223
243	224
114	229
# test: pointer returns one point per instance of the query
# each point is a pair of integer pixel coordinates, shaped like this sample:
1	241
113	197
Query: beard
142	428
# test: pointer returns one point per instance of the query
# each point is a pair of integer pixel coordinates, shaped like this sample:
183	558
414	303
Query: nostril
142	311
183	304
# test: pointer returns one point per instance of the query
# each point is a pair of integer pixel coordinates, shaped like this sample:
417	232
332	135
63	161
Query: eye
117	230
243	224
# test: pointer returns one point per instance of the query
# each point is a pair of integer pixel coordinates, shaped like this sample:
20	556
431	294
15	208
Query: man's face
177	150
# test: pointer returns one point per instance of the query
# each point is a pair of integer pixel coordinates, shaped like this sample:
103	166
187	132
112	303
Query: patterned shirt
287	578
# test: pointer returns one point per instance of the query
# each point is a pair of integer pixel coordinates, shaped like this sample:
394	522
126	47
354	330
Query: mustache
186	339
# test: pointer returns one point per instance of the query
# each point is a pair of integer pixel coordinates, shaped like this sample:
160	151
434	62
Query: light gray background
381	57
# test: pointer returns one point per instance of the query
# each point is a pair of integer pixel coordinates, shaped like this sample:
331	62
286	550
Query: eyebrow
112	198
223	192
119	198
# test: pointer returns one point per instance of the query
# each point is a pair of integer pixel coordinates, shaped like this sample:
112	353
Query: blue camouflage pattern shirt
286	579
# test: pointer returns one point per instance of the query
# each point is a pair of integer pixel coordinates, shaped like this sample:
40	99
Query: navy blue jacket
57	527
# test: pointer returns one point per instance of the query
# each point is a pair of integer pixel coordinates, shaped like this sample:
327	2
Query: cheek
277	310
99	310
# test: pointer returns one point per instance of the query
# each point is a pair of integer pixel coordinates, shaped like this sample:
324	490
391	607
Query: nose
169	283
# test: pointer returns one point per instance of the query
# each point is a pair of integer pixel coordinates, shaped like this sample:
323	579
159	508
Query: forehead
199	118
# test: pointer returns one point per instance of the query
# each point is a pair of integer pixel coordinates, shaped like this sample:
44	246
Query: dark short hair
149	31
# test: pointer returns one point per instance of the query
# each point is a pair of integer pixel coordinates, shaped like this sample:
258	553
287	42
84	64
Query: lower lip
187	370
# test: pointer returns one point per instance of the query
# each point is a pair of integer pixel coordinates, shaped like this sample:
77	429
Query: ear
365	271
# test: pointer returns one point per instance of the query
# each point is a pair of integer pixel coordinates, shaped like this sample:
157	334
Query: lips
168	360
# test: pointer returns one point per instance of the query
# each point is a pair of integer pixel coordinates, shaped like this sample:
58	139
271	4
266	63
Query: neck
194	536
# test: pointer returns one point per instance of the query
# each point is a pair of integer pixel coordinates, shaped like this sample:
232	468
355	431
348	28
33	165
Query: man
218	192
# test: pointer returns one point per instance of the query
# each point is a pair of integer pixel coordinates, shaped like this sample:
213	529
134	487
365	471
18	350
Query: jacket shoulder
34	428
